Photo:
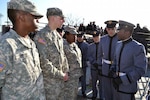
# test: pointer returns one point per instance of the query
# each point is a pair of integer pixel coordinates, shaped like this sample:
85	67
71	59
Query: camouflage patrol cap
125	25
24	5
54	12
70	29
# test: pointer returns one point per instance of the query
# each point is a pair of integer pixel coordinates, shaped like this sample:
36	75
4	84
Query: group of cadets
100	56
50	67
117	62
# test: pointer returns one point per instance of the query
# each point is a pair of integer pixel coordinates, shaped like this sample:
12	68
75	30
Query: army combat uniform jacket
53	61
20	73
73	54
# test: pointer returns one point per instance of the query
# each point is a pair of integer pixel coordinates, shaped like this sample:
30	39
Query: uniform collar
127	40
25	41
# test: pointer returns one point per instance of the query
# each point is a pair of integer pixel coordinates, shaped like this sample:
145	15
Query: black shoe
83	94
93	98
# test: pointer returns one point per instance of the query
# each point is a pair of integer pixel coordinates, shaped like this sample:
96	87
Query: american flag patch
1	66
40	40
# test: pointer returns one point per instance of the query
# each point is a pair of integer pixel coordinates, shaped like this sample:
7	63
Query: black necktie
120	56
79	44
96	50
109	52
123	44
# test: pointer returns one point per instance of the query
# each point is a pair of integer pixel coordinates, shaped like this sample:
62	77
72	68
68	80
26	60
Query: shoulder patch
2	65
42	41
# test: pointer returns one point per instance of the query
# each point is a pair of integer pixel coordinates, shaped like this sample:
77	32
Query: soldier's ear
21	16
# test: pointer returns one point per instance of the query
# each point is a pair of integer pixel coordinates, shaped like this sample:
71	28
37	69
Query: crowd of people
51	64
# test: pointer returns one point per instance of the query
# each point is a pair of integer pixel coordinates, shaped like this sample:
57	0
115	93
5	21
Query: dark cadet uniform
130	64
107	49
95	61
84	49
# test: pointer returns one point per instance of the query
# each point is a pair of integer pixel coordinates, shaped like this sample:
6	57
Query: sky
134	11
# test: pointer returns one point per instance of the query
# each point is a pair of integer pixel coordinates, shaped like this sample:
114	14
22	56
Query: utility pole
1	21
83	21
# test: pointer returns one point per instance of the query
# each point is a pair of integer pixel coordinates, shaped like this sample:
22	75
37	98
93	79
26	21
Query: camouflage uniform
73	55
53	62
20	72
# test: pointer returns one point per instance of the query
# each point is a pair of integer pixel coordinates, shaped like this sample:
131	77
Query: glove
111	73
116	82
100	71
95	65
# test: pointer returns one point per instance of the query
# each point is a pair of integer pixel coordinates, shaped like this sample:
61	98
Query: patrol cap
70	29
96	33
125	25
24	5
111	23
54	12
80	34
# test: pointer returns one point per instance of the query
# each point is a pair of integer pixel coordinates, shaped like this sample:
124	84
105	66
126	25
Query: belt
121	74
107	61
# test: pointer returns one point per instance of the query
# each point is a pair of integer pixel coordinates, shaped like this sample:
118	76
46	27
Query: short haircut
12	15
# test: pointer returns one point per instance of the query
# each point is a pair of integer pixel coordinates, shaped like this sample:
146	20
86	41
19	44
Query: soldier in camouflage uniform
73	54
53	61
20	73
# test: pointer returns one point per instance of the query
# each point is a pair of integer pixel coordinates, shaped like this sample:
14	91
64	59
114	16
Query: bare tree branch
72	20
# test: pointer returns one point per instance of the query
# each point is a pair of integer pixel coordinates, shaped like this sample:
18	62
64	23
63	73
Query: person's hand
111	73
116	82
100	71
66	77
95	65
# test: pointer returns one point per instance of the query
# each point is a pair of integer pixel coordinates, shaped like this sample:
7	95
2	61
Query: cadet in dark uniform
130	63
107	48
83	45
95	59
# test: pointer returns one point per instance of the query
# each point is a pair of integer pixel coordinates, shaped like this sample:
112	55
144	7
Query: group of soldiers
49	66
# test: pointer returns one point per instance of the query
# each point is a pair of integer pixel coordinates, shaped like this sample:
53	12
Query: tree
72	20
